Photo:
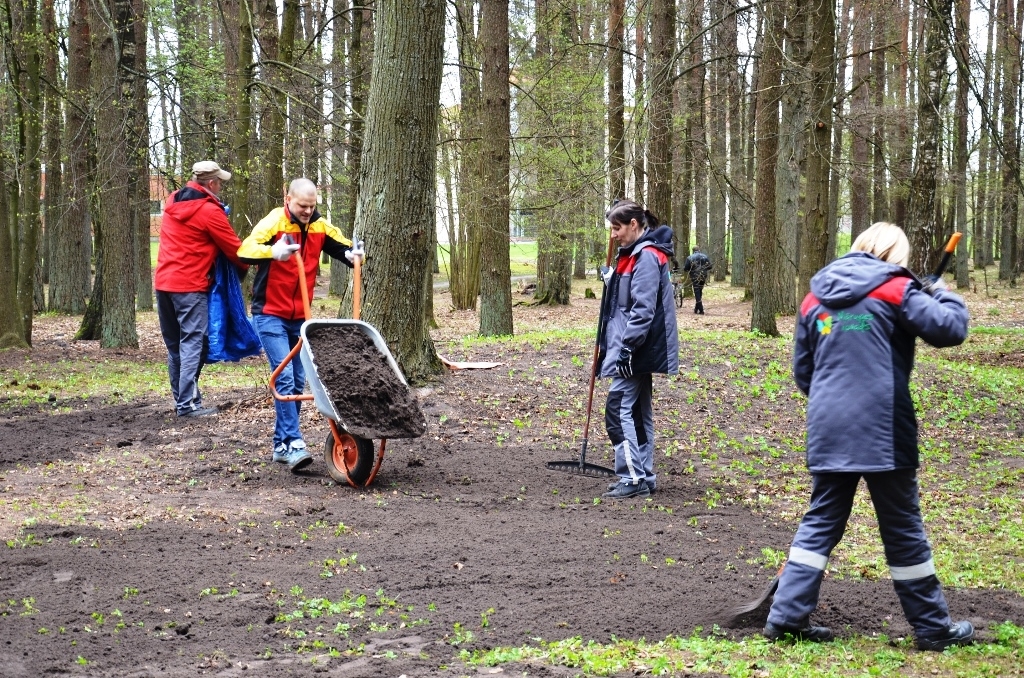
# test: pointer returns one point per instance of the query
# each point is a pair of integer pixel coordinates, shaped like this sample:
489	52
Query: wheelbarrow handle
298	345
277	371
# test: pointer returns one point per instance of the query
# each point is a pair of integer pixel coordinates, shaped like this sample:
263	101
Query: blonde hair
886	241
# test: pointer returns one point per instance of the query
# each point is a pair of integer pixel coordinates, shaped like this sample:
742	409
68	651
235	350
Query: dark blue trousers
895	498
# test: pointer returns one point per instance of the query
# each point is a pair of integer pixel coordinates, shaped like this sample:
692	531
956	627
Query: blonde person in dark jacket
853	355
640	338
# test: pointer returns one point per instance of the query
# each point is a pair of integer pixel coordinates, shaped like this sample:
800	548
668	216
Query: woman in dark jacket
639	339
853	357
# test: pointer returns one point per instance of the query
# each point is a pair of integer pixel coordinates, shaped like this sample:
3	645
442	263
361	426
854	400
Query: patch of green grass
701	653
111	379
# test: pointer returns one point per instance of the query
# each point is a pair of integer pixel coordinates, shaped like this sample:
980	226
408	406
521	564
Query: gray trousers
183	322
629	420
895	497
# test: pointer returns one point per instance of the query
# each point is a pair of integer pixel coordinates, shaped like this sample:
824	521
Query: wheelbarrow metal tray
322	398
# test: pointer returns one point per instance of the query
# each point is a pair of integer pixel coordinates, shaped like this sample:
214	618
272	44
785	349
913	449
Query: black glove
624	365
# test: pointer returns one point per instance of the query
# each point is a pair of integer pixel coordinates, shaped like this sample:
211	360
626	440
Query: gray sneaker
298	456
624	490
281	453
199	412
651	487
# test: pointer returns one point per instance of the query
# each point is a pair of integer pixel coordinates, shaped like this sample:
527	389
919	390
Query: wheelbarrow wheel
352	451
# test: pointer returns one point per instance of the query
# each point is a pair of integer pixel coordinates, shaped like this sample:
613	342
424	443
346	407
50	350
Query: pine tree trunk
396	193
341	41
766	228
881	35
495	273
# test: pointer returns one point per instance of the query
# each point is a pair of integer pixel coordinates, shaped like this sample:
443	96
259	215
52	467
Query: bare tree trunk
340	178
718	111
697	140
659	108
766	228
616	102
837	133
496	275
881	33
638	95
139	172
1009	59
53	93
396	196
791	147
921	226
464	256
860	121
739	185
960	149
822	72
982	221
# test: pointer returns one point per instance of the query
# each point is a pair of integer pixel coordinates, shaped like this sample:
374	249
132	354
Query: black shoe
960	633
624	490
199	412
814	634
652	489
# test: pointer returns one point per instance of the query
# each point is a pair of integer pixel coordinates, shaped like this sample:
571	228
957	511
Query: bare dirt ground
176	547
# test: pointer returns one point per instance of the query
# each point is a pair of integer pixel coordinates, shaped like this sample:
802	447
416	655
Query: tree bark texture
395	213
69	270
616	101
659	108
921	226
115	149
822	72
860	121
495	267
766	227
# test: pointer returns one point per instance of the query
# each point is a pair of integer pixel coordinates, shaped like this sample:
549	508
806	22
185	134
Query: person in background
277	310
640	338
854	351
194	227
699	267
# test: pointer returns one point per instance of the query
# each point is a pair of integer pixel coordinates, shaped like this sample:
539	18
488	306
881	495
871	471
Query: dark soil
369	397
174	548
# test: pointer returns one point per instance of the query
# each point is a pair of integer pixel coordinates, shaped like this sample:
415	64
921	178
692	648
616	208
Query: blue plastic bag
231	335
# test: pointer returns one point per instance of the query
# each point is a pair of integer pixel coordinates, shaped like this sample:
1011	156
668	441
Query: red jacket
192	231
275	291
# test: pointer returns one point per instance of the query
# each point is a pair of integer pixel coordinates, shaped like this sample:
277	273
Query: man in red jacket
193	229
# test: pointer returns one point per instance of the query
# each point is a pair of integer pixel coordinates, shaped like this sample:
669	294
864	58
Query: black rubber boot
960	633
815	634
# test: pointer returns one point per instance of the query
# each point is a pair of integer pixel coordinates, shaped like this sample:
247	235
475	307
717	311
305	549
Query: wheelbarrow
350	457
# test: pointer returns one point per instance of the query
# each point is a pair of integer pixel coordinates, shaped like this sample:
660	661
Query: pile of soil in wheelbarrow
371	399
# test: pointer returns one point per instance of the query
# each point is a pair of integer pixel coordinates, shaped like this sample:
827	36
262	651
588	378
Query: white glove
281	250
936	286
606	273
355	251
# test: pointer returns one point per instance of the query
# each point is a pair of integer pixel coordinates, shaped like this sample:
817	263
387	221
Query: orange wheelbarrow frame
345	445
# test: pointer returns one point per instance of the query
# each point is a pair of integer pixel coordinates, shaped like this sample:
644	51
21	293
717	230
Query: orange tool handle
357	287
954	240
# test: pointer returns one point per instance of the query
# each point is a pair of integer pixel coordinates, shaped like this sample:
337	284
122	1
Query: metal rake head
578	468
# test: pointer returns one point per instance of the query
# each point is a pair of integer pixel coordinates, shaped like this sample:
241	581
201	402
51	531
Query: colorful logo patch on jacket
824	323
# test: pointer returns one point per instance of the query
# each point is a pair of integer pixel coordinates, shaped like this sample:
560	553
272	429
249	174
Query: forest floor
140	544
